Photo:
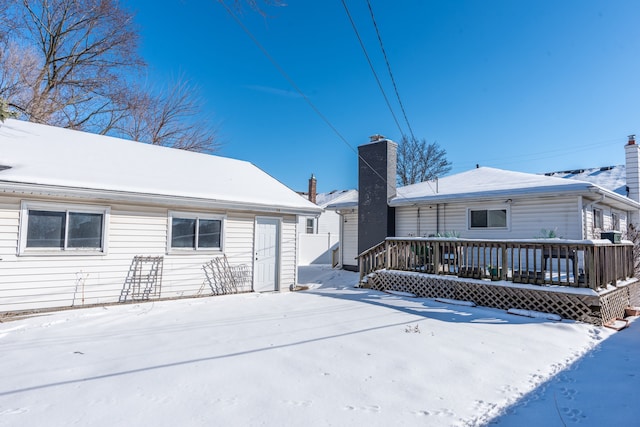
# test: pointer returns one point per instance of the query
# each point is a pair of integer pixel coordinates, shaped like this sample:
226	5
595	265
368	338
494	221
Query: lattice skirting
587	308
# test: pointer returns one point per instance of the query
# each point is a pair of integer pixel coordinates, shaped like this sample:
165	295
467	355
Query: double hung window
598	220
615	221
311	226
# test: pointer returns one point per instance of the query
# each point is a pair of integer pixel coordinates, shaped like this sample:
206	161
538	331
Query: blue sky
528	85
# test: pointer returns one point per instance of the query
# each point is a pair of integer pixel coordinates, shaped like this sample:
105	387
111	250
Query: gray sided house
87	219
482	203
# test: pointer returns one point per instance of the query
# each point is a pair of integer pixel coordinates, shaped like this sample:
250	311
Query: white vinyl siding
561	215
239	242
9	226
29	282
329	223
527	218
183	274
326	223
588	224
316	248
407	220
288	253
594	227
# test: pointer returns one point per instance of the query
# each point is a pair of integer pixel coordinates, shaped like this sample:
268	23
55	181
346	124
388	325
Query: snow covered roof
612	178
348	201
485	182
326	199
72	161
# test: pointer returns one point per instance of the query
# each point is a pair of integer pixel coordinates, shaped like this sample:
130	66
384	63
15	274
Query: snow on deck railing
579	263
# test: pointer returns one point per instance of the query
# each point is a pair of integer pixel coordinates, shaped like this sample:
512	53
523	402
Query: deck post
505	262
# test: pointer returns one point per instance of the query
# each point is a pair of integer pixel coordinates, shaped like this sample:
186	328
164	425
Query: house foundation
597	309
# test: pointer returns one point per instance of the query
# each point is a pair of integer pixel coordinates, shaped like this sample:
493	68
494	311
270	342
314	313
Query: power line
364	50
285	75
386	60
540	155
302	94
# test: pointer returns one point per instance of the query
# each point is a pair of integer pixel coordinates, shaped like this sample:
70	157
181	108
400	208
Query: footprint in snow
574	415
298	402
370	408
568	393
595	334
13	411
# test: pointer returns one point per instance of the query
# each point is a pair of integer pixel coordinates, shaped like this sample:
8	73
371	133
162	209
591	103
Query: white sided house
482	203
88	219
488	203
347	210
318	236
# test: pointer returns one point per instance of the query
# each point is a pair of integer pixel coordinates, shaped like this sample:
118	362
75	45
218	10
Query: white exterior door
349	239
267	254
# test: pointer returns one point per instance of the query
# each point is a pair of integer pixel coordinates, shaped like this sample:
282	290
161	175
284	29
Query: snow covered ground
332	355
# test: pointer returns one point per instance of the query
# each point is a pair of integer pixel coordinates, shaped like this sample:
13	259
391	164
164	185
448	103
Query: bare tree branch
419	161
171	118
74	64
81	54
258	6
633	234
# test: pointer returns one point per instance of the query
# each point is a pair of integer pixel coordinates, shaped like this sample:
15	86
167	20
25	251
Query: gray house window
615	221
597	219
49	227
487	218
311	225
192	231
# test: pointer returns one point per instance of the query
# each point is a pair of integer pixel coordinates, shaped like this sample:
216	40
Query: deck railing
578	263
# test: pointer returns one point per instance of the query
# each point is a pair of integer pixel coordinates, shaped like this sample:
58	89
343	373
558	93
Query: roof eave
557	190
152	199
343	205
622	201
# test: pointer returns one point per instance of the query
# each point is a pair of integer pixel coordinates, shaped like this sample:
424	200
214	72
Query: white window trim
598	217
26	206
313	225
195	215
489	208
619	217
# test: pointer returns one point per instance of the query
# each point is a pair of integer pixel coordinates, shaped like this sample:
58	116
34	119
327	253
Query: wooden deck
539	275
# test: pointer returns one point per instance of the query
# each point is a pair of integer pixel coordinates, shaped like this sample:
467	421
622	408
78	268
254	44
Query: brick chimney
632	166
376	185
312	189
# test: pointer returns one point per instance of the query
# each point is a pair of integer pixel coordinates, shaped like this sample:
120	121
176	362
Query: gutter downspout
583	218
341	239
